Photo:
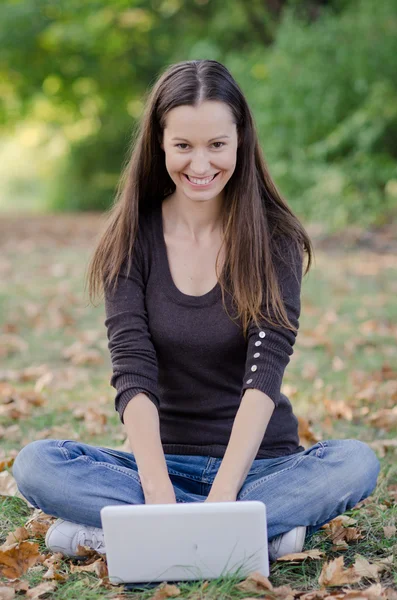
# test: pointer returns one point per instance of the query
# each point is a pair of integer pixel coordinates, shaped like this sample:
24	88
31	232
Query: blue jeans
73	481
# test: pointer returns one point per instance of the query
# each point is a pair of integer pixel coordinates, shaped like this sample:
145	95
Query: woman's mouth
200	182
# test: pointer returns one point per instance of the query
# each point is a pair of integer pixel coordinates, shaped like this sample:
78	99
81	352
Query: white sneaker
287	543
65	536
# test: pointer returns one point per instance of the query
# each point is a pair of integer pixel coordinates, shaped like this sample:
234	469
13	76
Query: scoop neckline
170	288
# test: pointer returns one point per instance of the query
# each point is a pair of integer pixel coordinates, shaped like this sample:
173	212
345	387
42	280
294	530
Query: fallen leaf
341	546
166	591
255	582
383	447
79	354
52	573
98	567
374	592
391	594
7	593
334	573
12	344
389	531
20	534
299	556
386	418
41	589
338	409
15	561
306	435
366	569
6	463
284	592
314	595
8	485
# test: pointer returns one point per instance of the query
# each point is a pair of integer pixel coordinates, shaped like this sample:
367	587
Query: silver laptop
149	543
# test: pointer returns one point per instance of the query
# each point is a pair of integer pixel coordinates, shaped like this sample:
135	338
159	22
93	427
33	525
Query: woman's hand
161	496
219	496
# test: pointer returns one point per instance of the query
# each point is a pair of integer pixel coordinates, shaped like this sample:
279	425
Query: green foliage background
321	78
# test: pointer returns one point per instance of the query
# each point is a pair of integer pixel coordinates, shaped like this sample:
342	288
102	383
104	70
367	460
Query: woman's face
200	145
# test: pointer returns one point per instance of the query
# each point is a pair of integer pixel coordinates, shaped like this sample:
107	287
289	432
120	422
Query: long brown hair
257	221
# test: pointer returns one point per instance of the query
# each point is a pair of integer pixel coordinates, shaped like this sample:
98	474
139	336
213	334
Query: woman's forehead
210	119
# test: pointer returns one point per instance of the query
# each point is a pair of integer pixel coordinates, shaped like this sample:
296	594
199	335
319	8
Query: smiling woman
193	156
201	263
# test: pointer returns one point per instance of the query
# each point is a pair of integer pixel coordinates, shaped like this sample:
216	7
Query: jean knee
29	465
366	466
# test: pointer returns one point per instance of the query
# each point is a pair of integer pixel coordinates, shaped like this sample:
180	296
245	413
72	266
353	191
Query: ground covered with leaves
54	383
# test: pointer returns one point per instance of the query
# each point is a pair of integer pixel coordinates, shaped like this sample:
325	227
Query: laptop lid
184	541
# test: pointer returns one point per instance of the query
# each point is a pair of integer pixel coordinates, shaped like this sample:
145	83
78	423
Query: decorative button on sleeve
264	370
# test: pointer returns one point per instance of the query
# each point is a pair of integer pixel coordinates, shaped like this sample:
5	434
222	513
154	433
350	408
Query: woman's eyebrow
211	140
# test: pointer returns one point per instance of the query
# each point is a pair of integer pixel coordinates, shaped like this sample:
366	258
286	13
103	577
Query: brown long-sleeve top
187	355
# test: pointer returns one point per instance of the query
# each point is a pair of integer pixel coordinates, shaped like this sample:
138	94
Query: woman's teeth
201	181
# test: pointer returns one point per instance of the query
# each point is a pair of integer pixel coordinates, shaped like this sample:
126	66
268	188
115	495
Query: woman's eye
185	145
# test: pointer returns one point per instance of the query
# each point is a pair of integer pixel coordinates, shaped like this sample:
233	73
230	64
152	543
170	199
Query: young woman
201	266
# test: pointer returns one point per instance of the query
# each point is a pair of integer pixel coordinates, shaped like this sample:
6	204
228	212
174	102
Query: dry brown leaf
12	344
52	573
338	409
53	559
16	404
12	432
306	435
166	591
299	556
40	590
366	569
8	485
255	582
98	567
6	463
341	546
389	531
57	431
334	573
20	534
386	562
19	585
95	421
338	521
340	534
314	595
374	592
44	381
383	447
390	593
79	354
386	418
309	371
39	528
284	592
7	593
15	561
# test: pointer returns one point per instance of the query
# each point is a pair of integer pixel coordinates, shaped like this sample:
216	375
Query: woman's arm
135	374
247	434
141	421
269	350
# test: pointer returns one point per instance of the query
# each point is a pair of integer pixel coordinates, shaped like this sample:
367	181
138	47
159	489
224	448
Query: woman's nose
200	165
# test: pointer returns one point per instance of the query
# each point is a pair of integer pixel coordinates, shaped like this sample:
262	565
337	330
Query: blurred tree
320	76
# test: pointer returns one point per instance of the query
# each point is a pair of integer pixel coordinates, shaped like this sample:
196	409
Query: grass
341	373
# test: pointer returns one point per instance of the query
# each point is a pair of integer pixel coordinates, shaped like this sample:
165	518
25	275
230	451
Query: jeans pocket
268	473
270	464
